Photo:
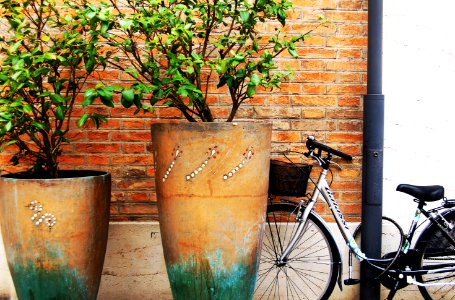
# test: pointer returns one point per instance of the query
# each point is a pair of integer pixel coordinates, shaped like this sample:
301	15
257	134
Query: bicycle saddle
425	193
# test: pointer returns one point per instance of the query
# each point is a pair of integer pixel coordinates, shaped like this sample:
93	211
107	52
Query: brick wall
323	99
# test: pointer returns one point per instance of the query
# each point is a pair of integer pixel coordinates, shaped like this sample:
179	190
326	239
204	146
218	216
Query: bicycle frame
322	189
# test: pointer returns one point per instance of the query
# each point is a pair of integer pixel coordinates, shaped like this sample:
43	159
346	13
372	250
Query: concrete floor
134	267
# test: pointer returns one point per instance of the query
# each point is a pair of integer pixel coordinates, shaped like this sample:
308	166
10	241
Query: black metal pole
373	144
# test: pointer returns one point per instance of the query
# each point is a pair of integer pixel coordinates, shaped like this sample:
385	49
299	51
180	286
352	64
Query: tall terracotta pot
55	233
211	182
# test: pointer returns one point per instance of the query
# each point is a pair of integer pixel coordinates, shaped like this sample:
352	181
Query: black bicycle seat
425	193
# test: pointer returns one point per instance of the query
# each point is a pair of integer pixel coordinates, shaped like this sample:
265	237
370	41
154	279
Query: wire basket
288	179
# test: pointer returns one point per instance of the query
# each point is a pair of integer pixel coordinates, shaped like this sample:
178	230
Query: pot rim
64	175
213	124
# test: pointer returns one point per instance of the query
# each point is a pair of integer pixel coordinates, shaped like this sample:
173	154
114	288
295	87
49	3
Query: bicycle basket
288	179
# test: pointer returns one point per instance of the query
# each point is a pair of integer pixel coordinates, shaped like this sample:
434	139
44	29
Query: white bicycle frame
322	189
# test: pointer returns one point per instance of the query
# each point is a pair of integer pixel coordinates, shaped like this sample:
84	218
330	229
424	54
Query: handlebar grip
312	144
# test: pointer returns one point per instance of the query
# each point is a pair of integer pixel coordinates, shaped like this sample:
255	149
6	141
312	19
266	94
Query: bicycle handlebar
312	145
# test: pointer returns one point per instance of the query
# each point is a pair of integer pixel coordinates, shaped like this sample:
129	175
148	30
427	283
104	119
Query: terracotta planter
55	233
212	181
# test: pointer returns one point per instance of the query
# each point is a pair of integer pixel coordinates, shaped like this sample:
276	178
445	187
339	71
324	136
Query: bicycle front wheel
436	251
311	270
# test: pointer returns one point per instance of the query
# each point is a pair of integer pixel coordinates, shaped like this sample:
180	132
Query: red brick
72	159
279	100
349	78
134	148
347	16
314	64
314	100
347	89
135	184
350	125
98	135
352	29
138	209
349	173
317	53
344	66
349	101
139	197
286	136
138	123
132	136
93	159
314	88
313	113
321	4
344	137
291	88
314	125
315	77
315	40
351	4
135	159
350	53
344	114
97	147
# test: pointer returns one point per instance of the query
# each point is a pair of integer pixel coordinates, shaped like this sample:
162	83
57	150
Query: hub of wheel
281	263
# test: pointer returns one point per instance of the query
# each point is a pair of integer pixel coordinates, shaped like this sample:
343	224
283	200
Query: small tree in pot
175	49
46	59
54	223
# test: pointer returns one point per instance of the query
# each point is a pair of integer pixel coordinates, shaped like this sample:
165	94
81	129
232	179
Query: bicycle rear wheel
436	251
312	268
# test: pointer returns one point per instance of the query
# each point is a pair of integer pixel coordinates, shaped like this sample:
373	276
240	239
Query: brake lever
311	155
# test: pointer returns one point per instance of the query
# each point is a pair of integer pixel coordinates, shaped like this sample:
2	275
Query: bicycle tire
434	248
310	272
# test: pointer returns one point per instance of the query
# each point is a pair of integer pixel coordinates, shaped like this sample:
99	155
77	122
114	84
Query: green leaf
97	119
28	109
293	52
255	79
244	15
106	97
90	64
39	125
8	126
60	113
13	48
127	98
58	99
16	75
281	16
81	122
251	90
89	97
126	23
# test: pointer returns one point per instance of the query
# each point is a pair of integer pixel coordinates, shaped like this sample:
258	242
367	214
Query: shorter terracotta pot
55	233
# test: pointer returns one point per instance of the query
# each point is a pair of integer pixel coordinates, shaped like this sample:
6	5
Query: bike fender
429	230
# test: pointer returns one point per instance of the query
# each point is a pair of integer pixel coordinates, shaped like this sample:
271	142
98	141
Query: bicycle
301	260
